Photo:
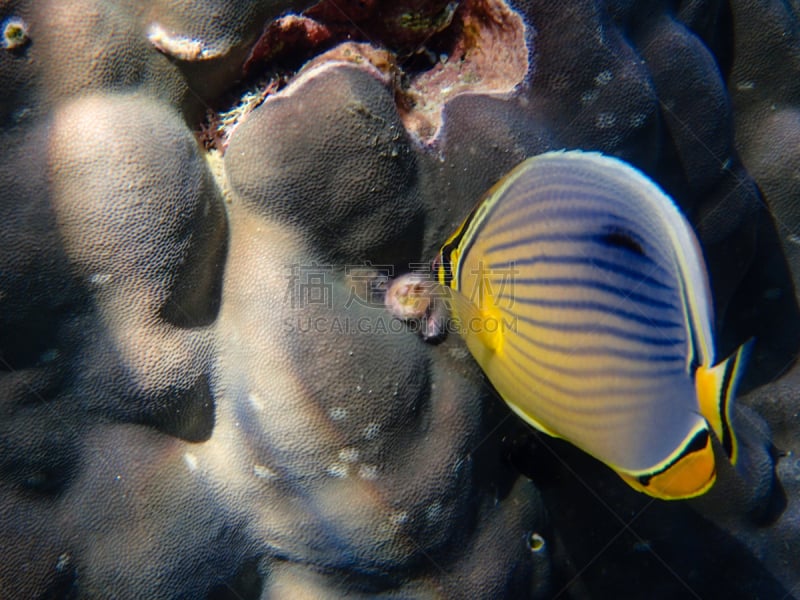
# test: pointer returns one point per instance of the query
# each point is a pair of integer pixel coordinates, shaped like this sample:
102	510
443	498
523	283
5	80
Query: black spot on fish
620	238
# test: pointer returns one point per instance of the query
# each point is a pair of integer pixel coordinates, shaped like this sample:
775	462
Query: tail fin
716	389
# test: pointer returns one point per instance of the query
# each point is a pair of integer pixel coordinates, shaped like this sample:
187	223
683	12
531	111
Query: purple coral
186	415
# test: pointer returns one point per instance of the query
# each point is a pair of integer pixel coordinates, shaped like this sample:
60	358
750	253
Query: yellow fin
716	389
484	325
691	473
531	421
488	327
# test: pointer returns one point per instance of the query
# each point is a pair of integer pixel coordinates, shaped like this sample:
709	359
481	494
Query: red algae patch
427	52
488	55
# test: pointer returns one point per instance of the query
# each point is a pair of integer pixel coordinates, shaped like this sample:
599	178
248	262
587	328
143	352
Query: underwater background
202	394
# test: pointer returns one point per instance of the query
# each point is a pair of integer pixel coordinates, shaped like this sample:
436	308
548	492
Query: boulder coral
202	394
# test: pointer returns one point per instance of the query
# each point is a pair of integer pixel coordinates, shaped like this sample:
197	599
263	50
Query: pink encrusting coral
202	394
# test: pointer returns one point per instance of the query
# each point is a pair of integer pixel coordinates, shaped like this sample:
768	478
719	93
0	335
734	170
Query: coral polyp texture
202	394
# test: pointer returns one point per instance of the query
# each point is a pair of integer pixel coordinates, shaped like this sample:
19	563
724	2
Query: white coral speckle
255	401
264	472
372	431
433	512
338	469
348	455
368	472
63	562
604	78
638	119
99	279
589	96
338	413
190	460
605	120
398	518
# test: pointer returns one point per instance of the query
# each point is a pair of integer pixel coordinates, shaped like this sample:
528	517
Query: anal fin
689	472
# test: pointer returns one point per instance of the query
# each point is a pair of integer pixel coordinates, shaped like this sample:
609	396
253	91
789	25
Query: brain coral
201	393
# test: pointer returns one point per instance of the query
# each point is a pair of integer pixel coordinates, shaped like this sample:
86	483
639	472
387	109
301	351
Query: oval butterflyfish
580	289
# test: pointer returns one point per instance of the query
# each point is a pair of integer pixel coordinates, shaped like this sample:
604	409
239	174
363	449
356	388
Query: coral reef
202	394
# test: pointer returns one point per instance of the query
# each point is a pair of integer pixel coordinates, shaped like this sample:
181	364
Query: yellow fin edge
716	390
690	473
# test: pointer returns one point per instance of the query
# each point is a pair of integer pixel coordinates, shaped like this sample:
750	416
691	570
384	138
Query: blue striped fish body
581	291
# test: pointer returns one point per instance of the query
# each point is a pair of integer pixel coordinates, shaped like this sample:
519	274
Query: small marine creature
180	47
581	291
413	298
15	33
